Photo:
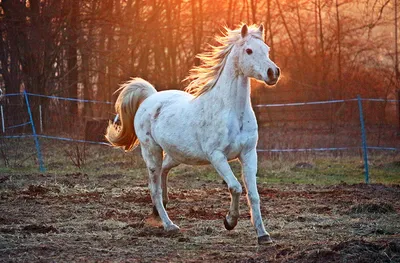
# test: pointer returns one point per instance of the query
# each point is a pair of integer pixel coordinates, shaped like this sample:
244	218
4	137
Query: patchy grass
285	169
325	171
322	171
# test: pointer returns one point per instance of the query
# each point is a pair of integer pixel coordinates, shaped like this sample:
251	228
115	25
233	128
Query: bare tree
71	9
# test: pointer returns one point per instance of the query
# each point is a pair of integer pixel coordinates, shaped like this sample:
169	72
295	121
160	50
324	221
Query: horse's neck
231	92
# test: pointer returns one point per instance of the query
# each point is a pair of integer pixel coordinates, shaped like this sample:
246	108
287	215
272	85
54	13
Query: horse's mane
204	77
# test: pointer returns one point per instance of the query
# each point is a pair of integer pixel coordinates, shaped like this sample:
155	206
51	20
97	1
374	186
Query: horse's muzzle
271	83
273	76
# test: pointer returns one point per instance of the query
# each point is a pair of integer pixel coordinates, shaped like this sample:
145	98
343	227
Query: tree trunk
253	4
72	54
269	30
339	56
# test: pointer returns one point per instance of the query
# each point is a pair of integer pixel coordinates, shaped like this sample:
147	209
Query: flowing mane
204	77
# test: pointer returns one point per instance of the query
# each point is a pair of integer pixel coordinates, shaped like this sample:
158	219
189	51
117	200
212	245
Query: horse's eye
249	51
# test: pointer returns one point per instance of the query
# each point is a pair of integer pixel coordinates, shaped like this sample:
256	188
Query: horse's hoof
228	226
264	240
172	228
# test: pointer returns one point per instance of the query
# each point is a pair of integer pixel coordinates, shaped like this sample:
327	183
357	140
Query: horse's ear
261	28
244	30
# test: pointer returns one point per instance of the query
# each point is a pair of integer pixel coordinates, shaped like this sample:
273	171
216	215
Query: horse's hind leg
152	154
167	164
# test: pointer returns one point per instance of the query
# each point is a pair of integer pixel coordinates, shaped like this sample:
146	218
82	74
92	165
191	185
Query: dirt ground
83	218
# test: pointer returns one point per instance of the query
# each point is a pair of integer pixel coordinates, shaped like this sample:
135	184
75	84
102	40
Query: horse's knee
236	189
155	190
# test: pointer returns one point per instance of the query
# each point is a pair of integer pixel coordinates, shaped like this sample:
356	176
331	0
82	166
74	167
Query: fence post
363	139
398	110
3	127
39	153
41	119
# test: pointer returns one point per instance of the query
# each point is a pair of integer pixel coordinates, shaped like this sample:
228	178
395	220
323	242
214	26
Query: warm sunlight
199	131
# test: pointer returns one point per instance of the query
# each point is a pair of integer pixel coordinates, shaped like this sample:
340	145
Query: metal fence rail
33	134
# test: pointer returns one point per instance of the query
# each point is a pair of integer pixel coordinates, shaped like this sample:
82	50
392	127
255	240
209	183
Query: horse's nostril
278	72
270	73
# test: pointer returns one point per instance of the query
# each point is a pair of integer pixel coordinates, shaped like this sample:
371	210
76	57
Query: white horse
212	123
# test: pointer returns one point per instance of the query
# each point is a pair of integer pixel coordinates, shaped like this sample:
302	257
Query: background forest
327	49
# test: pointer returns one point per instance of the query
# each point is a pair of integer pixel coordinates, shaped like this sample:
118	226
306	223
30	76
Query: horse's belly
186	156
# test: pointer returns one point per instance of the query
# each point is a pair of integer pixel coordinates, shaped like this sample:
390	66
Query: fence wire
300	127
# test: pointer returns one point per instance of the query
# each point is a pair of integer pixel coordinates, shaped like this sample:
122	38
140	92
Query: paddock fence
357	126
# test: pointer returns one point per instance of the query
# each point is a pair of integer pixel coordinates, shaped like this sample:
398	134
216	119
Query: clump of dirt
355	251
373	208
34	190
320	209
124	216
4	178
39	229
204	213
83	197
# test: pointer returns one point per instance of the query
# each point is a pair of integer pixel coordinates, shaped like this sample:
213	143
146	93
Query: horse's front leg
220	162
249	171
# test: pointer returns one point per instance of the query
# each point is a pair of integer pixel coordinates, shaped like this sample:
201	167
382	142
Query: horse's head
253	56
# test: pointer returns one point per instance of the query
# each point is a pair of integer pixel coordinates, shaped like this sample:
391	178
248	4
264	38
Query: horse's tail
132	94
